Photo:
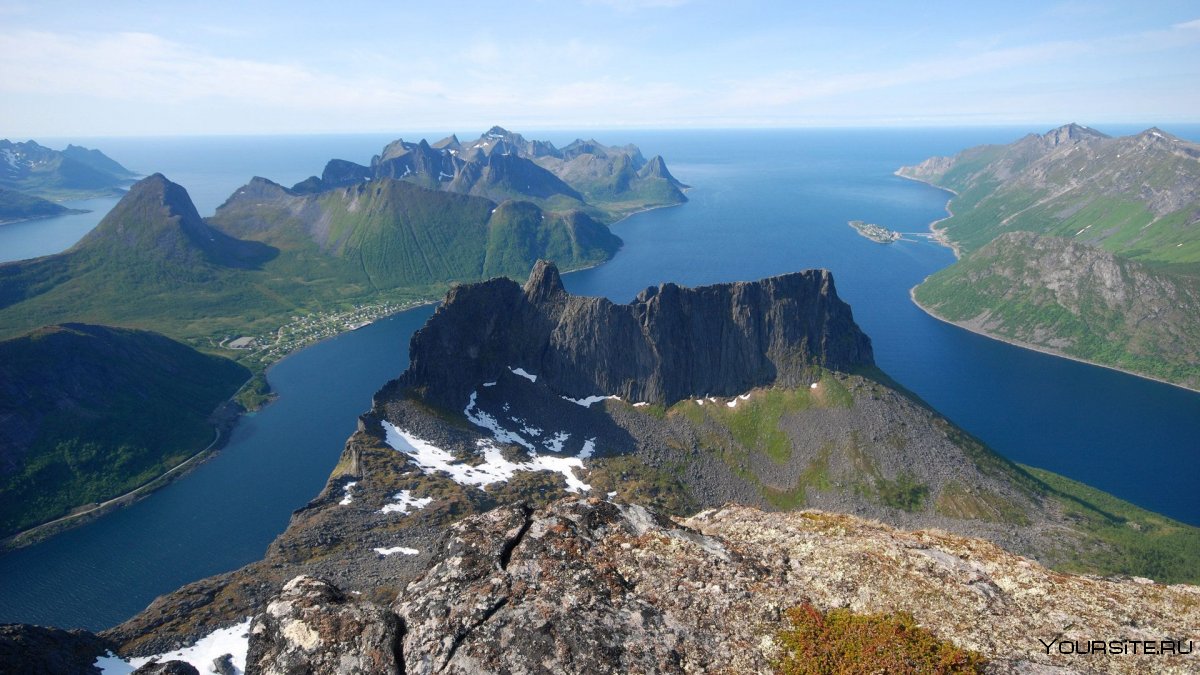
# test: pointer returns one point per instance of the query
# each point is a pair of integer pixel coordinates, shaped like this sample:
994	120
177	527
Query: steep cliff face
669	344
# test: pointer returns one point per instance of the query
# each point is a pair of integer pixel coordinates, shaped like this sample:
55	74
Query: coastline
939	235
1044	350
228	415
38	533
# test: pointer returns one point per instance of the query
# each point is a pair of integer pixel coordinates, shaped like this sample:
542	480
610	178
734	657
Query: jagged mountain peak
544	282
1069	133
669	344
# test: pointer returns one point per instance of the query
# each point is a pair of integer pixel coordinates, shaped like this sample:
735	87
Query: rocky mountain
400	234
590	586
669	344
606	182
74	173
90	412
1134	197
1057	294
506	402
154	262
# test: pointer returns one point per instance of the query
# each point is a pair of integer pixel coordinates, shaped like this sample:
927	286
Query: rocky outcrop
588	586
37	649
669	344
312	627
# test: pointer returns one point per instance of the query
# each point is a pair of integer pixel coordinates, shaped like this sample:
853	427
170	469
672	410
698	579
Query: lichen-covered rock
587	586
312	627
670	343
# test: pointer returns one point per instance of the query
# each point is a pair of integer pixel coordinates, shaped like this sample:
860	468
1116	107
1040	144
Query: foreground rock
587	586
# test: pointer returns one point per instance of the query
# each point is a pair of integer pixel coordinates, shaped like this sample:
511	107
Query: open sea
761	203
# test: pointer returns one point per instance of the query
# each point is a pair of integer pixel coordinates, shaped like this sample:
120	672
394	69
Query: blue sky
216	67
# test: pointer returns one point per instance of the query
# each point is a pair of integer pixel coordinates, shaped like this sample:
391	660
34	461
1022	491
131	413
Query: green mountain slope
1076	243
1051	292
270	253
1136	196
15	206
91	412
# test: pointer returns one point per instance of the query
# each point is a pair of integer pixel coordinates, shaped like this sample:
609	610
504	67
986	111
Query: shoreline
940	236
223	431
1043	350
39	533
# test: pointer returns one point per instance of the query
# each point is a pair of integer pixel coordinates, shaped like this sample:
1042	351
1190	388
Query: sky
119	68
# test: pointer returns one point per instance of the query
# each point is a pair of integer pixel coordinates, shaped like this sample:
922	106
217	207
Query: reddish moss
843	642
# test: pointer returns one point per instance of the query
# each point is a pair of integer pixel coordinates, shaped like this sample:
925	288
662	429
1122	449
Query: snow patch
813	385
734	401
555	442
639	404
405	502
348	496
397	549
587	402
523	373
489	384
233	640
494	469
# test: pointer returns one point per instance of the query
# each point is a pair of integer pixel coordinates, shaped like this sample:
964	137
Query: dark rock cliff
669	344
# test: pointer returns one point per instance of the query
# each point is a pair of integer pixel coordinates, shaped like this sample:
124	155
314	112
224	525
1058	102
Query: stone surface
312	627
588	586
37	649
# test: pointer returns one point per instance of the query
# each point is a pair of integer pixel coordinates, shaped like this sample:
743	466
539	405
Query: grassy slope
18	206
399	244
1096	195
97	412
1152	327
1120	538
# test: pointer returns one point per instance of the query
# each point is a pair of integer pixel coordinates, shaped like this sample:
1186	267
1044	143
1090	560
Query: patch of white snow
397	549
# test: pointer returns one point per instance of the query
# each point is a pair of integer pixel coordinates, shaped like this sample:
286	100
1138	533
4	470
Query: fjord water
762	203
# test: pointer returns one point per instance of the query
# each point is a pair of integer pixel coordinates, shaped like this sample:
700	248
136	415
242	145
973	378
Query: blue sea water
762	203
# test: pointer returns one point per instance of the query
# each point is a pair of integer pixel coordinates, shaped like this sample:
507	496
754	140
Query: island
875	233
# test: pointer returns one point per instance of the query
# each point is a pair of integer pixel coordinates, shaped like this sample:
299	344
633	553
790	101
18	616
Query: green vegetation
95	412
1137	309
959	501
1131	539
153	263
1103	317
17	206
840	641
